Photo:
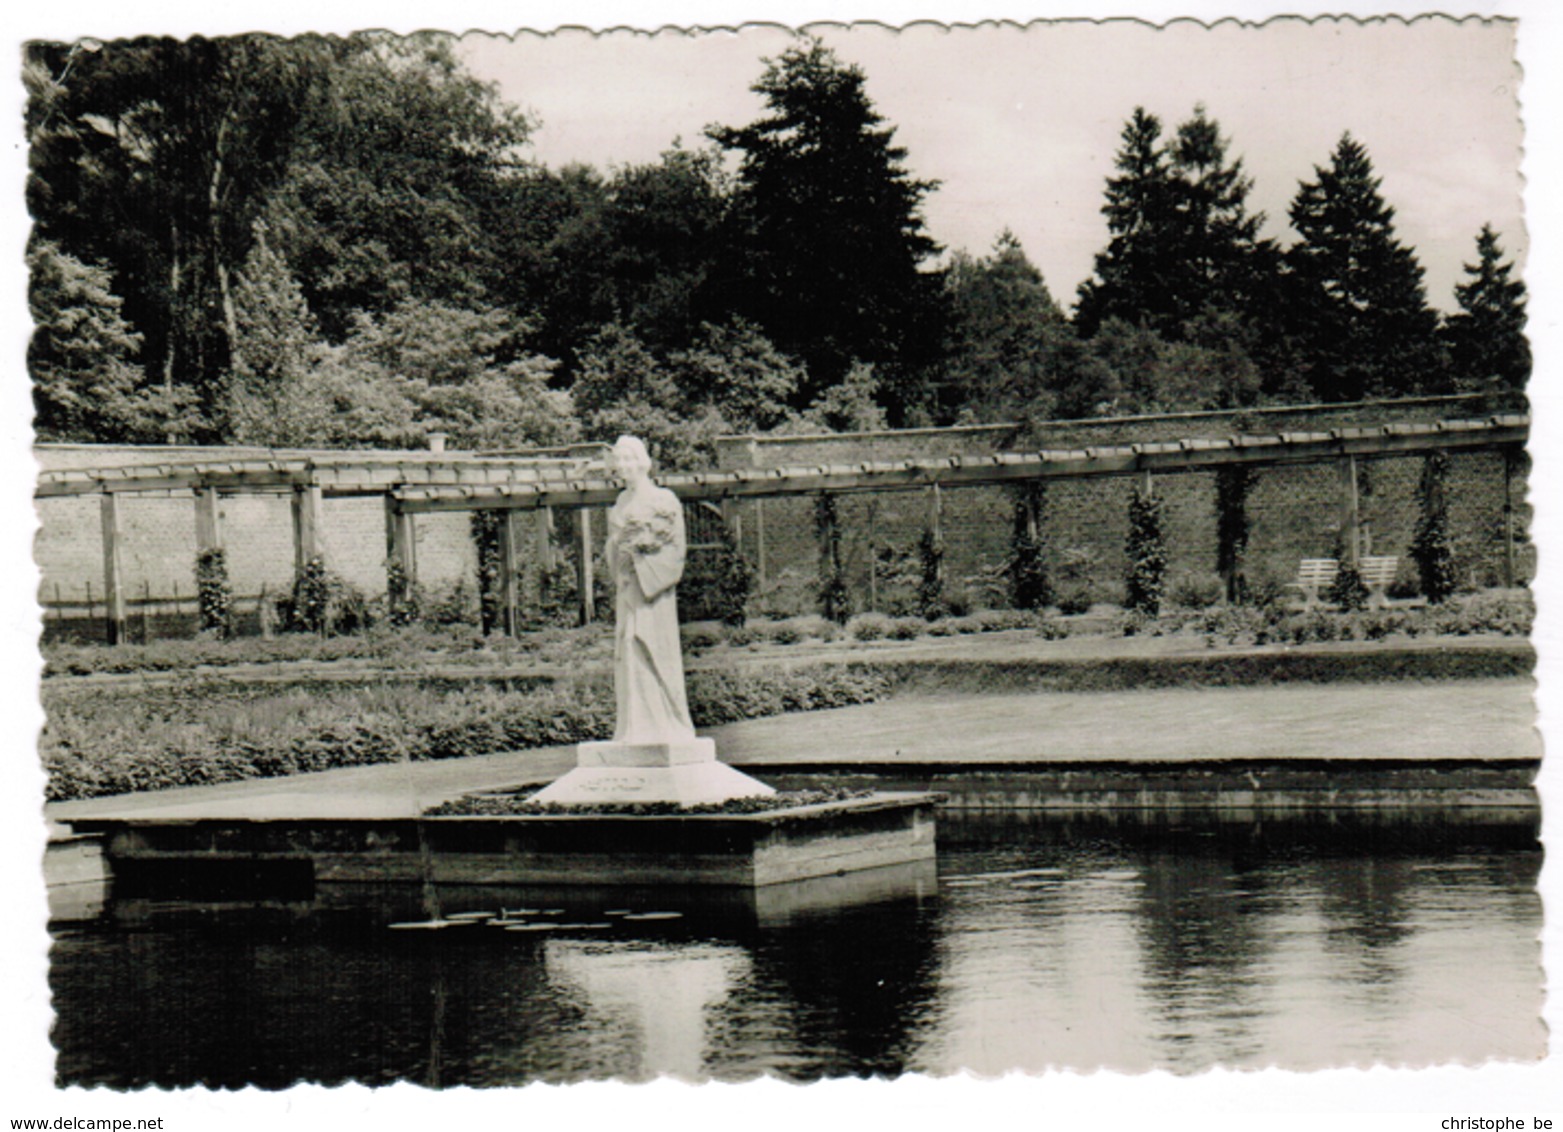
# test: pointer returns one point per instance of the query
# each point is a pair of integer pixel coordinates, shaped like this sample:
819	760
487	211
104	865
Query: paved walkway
1404	719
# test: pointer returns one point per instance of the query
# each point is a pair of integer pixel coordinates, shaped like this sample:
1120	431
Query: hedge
110	742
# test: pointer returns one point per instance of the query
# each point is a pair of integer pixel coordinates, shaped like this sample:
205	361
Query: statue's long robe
648	663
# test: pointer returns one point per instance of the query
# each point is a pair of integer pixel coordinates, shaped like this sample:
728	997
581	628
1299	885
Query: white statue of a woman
654	755
645	552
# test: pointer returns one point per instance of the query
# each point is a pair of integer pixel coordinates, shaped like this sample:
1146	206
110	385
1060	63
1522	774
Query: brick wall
157	551
1294	511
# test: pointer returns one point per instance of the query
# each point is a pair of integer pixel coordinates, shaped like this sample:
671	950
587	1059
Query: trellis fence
1312	492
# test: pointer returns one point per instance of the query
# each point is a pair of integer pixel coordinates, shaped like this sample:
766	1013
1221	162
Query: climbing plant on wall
1146	551
833	600
1029	585
1431	547
215	593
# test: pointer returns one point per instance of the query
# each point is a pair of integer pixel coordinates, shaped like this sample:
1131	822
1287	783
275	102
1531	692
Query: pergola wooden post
208	524
113	587
306	525
509	562
583	566
401	543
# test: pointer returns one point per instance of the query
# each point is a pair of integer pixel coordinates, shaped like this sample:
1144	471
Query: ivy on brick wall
487	527
403	601
1431	546
1146	551
1029	584
214	592
1233	526
930	584
833	599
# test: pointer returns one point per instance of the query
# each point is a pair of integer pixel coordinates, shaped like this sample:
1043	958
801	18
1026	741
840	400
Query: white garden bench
1315	575
1378	574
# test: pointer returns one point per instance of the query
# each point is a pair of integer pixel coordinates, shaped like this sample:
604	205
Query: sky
1020	124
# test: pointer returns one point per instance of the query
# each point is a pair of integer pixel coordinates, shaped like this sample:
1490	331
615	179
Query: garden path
1469	719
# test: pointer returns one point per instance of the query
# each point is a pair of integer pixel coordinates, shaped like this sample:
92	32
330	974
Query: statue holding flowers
645	552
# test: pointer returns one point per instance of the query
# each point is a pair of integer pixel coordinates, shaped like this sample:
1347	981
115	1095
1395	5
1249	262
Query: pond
1134	941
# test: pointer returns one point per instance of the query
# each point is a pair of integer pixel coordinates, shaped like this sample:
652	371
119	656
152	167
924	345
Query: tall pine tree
828	237
1358	309
1486	340
1182	245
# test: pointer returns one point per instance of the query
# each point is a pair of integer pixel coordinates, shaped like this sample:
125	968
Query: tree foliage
87	384
1486	339
1182	243
825	234
341	242
1002	332
1357	305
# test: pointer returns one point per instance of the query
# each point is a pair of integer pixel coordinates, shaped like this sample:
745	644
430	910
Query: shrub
813	625
1266	589
1348	590
214	592
1233	484
487	529
1074	599
700	635
944	627
906	628
1000	620
455	604
868	627
1052	629
783	633
718	583
311	596
1195	591
1406	583
1134	622
742	636
964	625
1147	555
833	599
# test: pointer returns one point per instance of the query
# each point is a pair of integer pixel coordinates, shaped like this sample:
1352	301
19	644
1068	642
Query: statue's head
630	456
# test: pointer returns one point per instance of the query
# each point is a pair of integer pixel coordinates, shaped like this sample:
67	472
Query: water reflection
1134	942
645	1003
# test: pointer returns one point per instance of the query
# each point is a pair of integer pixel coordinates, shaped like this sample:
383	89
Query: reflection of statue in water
645	551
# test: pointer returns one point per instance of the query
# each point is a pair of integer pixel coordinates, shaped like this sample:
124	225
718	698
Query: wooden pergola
415	485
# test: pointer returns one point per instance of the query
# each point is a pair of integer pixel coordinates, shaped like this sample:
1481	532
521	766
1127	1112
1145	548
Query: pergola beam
962	471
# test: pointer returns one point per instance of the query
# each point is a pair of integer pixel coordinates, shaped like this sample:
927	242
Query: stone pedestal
685	772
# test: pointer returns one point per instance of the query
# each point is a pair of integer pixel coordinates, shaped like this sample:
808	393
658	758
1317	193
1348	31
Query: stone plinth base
246	859
685	773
